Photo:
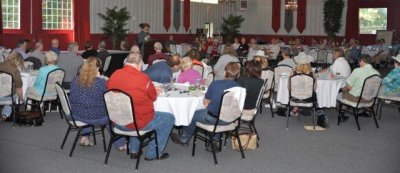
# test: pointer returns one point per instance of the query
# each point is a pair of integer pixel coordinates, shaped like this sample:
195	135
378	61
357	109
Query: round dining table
180	102
327	90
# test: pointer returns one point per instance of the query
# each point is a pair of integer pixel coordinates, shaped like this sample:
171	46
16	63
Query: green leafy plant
333	16
114	24
230	27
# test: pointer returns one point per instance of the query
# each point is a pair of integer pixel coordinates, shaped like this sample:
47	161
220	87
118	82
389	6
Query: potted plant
230	27
114	24
333	16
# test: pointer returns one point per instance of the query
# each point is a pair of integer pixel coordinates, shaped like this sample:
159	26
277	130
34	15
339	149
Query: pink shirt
190	76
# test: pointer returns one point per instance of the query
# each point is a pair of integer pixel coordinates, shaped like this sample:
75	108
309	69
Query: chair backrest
209	79
199	68
6	84
119	108
229	109
2	57
261	95
347	55
55	76
371	87
278	71
28	64
185	48
35	62
268	76
301	86
322	56
106	63
158	60
65	105
209	49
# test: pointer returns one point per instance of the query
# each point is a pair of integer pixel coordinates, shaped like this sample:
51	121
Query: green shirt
357	78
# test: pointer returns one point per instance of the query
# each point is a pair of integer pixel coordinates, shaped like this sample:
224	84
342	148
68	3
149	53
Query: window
57	14
372	19
11	15
206	1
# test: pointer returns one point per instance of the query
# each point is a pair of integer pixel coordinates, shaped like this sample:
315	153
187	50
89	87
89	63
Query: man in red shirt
158	55
143	93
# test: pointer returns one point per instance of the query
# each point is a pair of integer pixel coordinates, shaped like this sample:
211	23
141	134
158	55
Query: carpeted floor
294	150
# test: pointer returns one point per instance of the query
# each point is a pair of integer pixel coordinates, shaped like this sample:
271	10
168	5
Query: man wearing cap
355	81
391	83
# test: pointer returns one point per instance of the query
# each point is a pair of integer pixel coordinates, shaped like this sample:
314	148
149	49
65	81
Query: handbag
248	141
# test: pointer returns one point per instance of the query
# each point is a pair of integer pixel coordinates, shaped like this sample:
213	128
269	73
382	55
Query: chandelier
291	5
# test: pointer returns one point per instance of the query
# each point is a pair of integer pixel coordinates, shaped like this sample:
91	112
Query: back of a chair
6	85
209	49
54	77
158	60
119	108
106	63
281	69
199	68
172	48
322	56
268	76
35	62
261	95
230	109
301	86
209	79
371	88
65	105
347	55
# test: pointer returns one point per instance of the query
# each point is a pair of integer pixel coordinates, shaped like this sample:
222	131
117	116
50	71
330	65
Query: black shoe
215	145
176	139
162	157
364	114
344	118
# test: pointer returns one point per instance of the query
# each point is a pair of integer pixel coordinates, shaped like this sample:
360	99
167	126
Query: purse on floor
248	141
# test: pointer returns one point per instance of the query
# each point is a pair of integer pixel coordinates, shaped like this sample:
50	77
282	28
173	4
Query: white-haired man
158	55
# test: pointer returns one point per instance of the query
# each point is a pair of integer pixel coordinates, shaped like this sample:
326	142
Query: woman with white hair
188	74
40	82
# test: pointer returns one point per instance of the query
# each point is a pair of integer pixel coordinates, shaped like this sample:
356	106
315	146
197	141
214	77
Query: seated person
383	52
287	60
195	56
38	52
144	94
391	83
158	55
40	82
162	72
229	55
340	66
236	43
87	103
274	49
252	82
170	42
212	100
103	52
355	81
303	67
261	58
188	74
243	48
89	51
70	62
12	65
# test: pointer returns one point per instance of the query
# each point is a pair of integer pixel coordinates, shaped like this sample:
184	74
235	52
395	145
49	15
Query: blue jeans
97	122
7	109
203	117
162	123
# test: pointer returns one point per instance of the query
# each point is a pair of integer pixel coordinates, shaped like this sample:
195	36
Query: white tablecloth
327	91
27	81
181	105
370	52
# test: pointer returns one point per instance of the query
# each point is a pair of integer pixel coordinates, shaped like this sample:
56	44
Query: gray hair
102	45
50	57
72	46
134	58
158	46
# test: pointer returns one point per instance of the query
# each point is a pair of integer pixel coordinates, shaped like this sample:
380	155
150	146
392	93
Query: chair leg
380	108
65	137
260	107
240	143
156	141
313	120
109	149
355	112
213	149
94	135
272	110
59	105
376	122
254	127
14	114
287	117
139	154
340	113
103	138
75	141
226	138
128	139
194	142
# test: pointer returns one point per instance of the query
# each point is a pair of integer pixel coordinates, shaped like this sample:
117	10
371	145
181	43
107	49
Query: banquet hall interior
225	86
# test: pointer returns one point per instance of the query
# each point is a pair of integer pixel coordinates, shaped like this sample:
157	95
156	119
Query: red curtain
167	14
276	15
81	21
352	23
186	15
301	15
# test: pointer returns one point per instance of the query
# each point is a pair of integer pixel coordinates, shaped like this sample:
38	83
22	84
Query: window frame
18	21
372	7
59	30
